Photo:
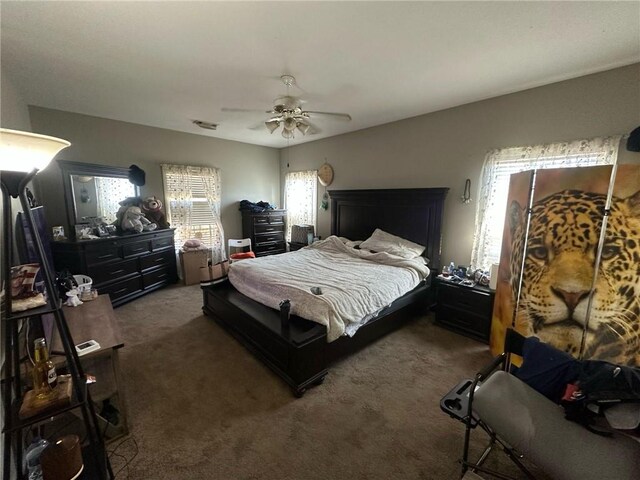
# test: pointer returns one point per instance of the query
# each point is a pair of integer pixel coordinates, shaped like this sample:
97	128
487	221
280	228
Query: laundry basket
84	283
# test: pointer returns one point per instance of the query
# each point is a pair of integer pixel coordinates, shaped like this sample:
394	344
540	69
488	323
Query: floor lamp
22	155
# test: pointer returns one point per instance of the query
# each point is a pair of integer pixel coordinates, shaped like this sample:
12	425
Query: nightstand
466	310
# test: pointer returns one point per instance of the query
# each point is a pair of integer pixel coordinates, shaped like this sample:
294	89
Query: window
300	198
494	187
193	205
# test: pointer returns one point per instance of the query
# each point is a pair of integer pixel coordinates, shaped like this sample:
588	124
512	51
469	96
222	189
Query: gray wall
13	110
248	171
442	149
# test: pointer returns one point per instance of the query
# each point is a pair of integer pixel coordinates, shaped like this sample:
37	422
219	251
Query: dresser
266	231
124	267
466	310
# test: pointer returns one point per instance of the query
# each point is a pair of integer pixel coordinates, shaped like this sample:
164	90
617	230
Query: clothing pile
587	389
246	205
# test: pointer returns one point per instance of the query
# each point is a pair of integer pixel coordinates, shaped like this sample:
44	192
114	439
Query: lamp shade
25	151
303	127
272	125
289	123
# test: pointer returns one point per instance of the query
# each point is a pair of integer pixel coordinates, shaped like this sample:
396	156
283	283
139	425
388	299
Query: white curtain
300	197
192	196
494	184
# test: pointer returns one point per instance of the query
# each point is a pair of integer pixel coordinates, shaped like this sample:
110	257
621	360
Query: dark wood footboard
299	352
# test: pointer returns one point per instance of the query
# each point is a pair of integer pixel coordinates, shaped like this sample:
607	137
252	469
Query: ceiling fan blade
244	110
258	126
341	116
313	129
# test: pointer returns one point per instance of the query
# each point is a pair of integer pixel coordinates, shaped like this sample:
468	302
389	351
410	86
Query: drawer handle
163	275
122	290
117	272
161	259
139	249
107	255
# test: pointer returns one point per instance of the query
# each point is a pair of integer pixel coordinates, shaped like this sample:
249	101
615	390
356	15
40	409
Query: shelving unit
96	462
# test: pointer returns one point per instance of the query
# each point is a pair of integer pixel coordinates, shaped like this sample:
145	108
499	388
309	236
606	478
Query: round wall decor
325	174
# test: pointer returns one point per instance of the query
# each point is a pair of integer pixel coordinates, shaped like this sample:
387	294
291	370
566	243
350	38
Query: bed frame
297	349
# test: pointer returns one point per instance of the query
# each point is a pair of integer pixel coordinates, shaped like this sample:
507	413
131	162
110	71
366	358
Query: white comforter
356	284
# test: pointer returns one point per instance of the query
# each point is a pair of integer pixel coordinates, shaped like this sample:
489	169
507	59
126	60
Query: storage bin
84	283
190	263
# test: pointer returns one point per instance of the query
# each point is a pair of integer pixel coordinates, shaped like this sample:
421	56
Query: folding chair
524	422
242	244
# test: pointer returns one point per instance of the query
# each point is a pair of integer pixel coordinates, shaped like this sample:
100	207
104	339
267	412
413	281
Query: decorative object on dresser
466	310
266	231
124	267
298	350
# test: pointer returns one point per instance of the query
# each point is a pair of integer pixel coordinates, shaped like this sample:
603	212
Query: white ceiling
166	63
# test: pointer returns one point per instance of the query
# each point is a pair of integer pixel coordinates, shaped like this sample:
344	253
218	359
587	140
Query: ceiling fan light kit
288	113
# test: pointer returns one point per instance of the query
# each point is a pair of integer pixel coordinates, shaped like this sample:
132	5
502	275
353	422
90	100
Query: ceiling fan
288	113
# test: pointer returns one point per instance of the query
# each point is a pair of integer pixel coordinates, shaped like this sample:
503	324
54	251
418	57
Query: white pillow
381	241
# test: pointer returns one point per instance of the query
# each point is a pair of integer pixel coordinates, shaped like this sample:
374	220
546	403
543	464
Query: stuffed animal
72	298
124	206
134	221
152	208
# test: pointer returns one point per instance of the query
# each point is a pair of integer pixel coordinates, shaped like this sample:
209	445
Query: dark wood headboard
411	213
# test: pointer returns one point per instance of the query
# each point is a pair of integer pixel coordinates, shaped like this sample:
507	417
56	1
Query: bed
298	350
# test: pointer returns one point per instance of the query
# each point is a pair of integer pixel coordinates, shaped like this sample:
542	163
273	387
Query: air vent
206	125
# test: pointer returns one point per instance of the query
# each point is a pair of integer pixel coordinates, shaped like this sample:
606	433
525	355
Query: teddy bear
152	207
124	206
134	220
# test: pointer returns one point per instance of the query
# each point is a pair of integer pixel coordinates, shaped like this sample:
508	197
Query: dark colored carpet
201	407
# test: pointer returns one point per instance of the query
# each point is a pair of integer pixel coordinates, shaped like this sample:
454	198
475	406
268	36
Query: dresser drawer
160	259
104	253
112	271
477	326
122	289
155	277
269	238
276	219
136	248
269	249
261	220
466	299
268	228
160	243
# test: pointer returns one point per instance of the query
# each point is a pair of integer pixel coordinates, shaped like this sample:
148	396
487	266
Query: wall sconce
466	196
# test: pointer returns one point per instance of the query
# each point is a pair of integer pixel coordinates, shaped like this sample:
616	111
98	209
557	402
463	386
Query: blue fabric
547	369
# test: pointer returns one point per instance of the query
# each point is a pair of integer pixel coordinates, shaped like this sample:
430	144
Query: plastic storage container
84	283
32	458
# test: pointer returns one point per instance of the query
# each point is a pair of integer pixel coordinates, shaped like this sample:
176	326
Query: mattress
354	285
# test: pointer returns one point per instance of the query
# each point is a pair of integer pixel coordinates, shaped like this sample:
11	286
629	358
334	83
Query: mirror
94	190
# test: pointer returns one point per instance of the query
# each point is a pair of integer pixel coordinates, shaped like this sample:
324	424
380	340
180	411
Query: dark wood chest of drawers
124	267
467	310
266	231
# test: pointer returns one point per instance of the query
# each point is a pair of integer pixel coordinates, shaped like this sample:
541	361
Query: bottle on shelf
32	458
44	372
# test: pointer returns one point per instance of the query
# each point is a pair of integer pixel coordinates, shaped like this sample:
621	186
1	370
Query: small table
95	320
466	310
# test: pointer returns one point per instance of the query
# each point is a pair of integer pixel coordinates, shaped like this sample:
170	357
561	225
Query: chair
523	422
243	243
